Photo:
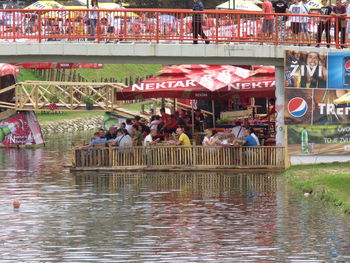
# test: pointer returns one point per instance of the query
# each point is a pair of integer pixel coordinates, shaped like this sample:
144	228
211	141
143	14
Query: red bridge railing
163	25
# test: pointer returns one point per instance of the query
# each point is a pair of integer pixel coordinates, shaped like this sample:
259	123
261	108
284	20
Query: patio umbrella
45	5
75	4
8	69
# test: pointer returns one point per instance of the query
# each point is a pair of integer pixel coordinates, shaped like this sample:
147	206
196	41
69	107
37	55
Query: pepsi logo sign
347	66
297	107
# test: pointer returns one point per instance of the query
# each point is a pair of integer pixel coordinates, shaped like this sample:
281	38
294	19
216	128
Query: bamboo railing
178	157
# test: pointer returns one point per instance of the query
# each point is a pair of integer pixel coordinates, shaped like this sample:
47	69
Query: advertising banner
319	140
317	88
20	129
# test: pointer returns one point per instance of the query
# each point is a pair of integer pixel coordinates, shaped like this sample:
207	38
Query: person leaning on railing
149	139
197	22
339	11
183	138
96	140
281	7
325	23
250	138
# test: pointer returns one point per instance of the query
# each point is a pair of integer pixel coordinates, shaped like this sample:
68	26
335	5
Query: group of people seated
238	135
140	132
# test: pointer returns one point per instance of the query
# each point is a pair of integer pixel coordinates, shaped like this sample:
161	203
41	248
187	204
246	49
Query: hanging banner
50	65
19	129
319	140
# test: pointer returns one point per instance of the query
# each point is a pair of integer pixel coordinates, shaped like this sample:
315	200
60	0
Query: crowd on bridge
293	22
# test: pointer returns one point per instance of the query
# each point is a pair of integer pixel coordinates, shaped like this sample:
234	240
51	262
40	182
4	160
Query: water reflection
157	217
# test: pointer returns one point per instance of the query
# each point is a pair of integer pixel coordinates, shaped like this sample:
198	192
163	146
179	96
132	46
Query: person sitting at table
96	139
208	139
250	138
154	122
171	124
102	133
149	139
238	130
123	139
137	137
183	138
111	134
129	127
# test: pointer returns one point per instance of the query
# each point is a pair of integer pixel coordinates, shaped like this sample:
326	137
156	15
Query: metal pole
87	4
279	93
213	111
192	119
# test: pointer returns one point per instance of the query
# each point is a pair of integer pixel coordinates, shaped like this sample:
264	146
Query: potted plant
89	101
53	99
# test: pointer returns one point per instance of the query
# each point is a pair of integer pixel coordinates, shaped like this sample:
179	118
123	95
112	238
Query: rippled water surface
157	217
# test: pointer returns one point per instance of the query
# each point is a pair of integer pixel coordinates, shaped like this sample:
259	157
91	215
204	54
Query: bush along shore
328	182
72	125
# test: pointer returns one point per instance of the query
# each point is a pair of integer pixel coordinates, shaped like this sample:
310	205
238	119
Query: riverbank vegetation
329	182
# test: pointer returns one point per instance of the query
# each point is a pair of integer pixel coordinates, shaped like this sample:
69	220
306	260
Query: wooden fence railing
167	157
65	96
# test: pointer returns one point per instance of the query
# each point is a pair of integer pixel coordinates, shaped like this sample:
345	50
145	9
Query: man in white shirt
305	10
128	127
238	130
149	138
123	139
295	8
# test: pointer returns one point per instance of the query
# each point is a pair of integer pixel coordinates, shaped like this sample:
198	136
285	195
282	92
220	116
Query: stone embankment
68	126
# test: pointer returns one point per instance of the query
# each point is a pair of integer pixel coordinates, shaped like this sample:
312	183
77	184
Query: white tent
239	5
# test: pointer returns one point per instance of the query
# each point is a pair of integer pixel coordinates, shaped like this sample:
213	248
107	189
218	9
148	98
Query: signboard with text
317	102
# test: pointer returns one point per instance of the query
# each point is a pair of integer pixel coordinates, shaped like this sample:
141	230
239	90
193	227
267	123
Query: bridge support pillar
279	93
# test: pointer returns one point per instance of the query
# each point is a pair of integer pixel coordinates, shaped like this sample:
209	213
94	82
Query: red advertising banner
20	129
50	65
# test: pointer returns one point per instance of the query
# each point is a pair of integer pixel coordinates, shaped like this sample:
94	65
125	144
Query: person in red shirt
267	27
171	125
164	117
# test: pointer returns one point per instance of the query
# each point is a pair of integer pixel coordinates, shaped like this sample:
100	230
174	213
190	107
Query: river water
157	217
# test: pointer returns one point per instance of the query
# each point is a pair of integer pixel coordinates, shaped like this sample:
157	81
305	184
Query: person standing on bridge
93	18
197	22
281	7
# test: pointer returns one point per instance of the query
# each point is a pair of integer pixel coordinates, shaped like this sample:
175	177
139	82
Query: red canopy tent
203	83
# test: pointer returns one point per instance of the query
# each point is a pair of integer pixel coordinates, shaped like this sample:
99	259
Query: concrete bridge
149	53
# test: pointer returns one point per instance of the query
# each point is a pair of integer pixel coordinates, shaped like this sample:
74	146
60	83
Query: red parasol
8	69
202	82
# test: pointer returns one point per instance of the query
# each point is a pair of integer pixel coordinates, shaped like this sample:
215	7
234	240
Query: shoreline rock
72	125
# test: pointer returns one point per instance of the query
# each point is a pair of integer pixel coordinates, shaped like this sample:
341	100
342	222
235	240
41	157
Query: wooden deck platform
178	158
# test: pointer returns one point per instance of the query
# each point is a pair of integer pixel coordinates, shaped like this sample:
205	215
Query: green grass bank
327	182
